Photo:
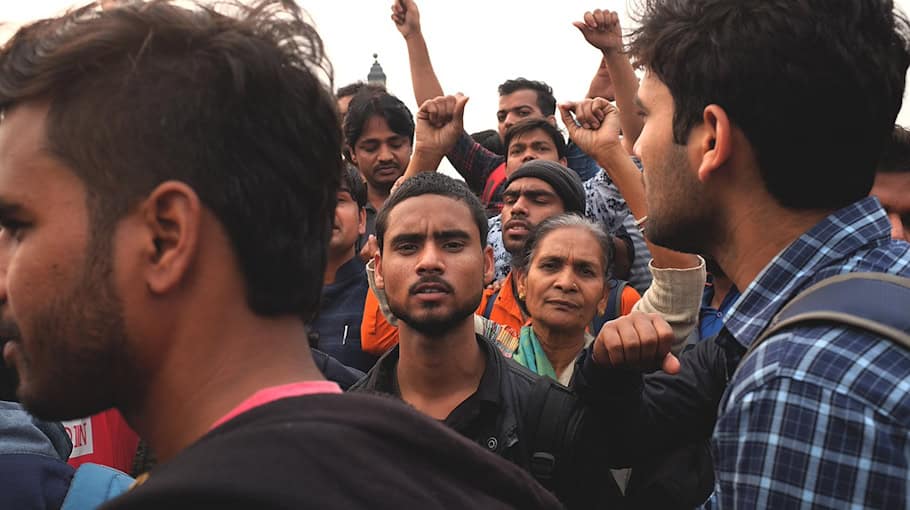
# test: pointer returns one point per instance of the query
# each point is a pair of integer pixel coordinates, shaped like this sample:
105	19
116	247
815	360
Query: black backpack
552	421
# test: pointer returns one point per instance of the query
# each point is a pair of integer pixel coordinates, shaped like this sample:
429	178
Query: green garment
531	355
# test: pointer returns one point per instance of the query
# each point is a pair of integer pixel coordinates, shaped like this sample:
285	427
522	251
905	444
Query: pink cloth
271	394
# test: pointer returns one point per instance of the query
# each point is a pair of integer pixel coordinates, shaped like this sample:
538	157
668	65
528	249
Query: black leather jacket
581	477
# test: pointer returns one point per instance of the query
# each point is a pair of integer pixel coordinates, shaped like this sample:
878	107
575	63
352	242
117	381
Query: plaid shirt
819	415
473	161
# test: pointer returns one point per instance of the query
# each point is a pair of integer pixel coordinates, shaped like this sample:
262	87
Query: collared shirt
505	309
819	415
477	415
711	319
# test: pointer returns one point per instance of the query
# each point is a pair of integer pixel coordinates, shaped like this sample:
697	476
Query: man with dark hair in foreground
750	158
164	238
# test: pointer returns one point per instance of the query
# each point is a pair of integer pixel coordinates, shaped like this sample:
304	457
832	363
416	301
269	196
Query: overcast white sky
475	44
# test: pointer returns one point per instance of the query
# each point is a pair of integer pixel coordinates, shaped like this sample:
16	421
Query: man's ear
489	267
563	162
551	119
353	157
362	222
172	214
377	271
714	141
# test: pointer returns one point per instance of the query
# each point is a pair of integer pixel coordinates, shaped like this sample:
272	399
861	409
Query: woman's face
564	284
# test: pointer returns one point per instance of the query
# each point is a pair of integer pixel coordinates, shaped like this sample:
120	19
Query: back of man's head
546	101
814	85
353	183
490	140
233	106
369	103
352	89
433	183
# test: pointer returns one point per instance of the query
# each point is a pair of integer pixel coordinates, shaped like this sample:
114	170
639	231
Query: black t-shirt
335	451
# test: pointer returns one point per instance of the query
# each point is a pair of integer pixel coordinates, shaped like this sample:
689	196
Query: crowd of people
224	283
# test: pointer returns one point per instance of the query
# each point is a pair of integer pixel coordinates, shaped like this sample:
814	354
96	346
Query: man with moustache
379	132
432	264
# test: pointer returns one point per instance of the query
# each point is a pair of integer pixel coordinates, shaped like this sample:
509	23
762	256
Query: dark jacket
344	376
340	315
581	478
33	469
334	452
669	422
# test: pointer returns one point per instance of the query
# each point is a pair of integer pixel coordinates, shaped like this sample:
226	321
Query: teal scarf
531	355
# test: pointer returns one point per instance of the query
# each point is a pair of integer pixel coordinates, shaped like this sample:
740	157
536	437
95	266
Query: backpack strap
875	302
548	411
487	310
614	299
614	305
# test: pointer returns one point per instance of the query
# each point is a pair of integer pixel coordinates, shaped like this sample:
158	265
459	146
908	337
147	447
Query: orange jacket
377	335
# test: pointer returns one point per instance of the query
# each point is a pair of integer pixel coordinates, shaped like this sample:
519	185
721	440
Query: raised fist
593	124
440	121
601	29
406	17
639	341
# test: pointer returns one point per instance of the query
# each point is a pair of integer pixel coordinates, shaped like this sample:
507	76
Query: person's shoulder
525	381
855	364
317	451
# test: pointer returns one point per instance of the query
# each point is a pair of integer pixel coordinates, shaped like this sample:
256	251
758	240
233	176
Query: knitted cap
565	182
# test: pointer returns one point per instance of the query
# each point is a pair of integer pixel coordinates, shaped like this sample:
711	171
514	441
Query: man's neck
561	347
334	263
756	234
435	375
376	197
211	367
722	286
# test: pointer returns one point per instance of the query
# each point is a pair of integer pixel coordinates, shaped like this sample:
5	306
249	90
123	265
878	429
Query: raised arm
423	77
439	124
598	136
602	30
678	278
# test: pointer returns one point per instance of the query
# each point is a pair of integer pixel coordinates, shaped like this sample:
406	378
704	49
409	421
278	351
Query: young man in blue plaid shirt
764	121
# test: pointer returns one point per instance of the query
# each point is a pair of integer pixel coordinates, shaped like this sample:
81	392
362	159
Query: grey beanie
566	183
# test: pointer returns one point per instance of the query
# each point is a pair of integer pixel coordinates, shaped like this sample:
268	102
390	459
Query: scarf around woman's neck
531	355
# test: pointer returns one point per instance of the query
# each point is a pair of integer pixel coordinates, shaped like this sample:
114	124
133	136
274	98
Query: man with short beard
433	262
751	157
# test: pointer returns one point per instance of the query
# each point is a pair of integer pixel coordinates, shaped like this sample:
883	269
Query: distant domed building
376	76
